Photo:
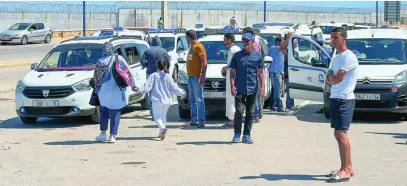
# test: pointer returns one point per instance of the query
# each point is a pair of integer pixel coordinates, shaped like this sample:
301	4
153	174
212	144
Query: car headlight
20	87
182	78
82	86
400	79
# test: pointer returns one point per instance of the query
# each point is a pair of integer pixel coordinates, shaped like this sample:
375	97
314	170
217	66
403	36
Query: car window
72	57
327	29
40	26
19	26
180	45
304	51
168	43
271	38
217	52
132	55
185	42
378	51
33	26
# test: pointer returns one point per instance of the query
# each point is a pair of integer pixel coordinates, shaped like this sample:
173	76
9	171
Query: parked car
24	33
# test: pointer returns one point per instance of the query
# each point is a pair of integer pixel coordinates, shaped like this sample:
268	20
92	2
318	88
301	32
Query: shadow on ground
205	143
277	177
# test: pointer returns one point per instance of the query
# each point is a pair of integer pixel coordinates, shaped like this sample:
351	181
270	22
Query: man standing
277	70
196	70
229	41
149	60
342	77
246	69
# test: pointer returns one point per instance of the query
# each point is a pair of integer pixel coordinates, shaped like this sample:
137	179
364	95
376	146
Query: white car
328	27
59	85
174	41
130	34
382	77
270	33
215	84
309	31
289	25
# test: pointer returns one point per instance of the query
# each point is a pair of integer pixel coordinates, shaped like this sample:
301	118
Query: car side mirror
31	29
316	62
33	66
268	59
181	60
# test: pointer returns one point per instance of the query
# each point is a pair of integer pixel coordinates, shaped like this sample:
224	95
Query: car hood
381	72
11	32
55	78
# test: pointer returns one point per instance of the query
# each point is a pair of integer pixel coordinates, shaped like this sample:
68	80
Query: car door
183	54
307	68
40	32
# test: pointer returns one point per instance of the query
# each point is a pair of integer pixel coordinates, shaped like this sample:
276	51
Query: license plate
215	94
45	103
367	96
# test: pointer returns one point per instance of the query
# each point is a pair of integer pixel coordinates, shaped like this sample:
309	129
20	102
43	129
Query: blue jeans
289	102
196	100
113	115
257	105
277	81
150	104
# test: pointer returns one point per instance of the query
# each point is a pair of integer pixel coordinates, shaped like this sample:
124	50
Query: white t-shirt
231	52
347	61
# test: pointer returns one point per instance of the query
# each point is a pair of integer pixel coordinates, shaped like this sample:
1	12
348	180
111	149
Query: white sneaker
112	139
102	138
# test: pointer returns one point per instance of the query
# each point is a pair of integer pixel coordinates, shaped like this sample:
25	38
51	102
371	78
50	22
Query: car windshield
168	43
72	57
217	52
271	38
19	26
327	29
378	51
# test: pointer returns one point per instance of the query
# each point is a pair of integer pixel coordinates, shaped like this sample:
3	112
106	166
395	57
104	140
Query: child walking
162	88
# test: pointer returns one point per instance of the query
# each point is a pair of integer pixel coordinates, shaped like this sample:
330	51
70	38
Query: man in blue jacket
150	58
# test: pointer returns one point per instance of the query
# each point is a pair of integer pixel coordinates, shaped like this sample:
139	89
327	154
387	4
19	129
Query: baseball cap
247	36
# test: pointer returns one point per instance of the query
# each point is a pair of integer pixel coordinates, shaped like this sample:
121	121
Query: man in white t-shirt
342	77
229	42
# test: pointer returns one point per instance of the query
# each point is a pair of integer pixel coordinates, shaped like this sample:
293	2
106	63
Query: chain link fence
181	14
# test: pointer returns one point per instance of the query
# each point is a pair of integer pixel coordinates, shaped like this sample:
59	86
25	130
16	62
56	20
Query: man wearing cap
277	70
246	69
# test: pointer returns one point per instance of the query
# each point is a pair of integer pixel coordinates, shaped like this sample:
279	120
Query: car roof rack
85	38
170	31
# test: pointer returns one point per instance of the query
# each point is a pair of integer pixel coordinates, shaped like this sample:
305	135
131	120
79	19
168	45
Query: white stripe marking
302	105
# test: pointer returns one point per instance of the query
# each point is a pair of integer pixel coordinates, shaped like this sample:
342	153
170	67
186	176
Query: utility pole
377	13
265	11
164	13
84	19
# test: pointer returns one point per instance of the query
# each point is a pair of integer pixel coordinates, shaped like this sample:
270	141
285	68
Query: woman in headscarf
112	98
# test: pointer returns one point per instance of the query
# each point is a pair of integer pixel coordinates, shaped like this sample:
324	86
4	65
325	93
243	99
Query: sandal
336	179
333	173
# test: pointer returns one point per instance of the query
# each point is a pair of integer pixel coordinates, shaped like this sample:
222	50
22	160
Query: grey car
24	33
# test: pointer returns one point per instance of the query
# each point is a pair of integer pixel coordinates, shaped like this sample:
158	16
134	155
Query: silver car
24	33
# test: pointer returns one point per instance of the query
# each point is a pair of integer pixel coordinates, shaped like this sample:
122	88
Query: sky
345	4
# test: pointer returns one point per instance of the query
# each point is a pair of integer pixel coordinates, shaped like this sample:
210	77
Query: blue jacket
153	54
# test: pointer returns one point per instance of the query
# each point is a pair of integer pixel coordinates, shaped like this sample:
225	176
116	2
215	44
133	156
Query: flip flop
336	179
333	173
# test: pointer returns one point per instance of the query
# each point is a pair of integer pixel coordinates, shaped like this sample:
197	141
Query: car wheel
144	104
4	43
175	75
47	39
184	113
30	120
327	113
24	40
95	117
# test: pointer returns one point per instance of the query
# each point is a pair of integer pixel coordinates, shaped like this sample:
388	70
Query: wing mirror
268	59
33	66
316	62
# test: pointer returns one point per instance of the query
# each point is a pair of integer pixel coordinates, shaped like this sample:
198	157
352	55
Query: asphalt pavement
12	53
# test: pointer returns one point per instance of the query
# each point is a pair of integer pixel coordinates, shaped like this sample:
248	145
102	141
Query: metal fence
181	14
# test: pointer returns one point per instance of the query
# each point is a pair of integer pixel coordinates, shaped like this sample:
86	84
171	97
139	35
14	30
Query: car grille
210	103
48	111
371	104
373	91
54	92
210	84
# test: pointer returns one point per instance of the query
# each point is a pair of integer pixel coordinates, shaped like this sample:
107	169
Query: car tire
327	113
3	43
184	113
95	117
144	104
24	40
29	120
47	39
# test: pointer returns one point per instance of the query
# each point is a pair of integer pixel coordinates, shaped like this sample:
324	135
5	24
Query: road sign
392	11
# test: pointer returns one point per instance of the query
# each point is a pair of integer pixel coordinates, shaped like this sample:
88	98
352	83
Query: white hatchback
59	85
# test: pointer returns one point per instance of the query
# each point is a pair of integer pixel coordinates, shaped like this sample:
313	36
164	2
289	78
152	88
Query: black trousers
242	103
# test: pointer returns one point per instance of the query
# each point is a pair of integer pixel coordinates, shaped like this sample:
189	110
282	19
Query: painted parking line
302	105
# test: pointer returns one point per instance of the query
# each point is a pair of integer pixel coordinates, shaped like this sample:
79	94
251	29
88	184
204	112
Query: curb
15	64
7	89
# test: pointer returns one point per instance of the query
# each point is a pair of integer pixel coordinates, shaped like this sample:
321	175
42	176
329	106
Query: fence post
182	18
135	17
151	18
110	20
69	21
91	20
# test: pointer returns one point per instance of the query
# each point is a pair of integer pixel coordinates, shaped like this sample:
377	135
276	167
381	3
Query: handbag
94	99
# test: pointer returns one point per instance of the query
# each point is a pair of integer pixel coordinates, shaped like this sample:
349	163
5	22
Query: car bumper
76	104
211	104
391	102
11	40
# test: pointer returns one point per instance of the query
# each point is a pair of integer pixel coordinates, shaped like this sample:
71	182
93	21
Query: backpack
121	73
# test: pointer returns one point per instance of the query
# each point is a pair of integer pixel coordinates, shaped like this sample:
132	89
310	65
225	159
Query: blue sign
162	30
106	33
229	29
321	78
118	29
199	25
